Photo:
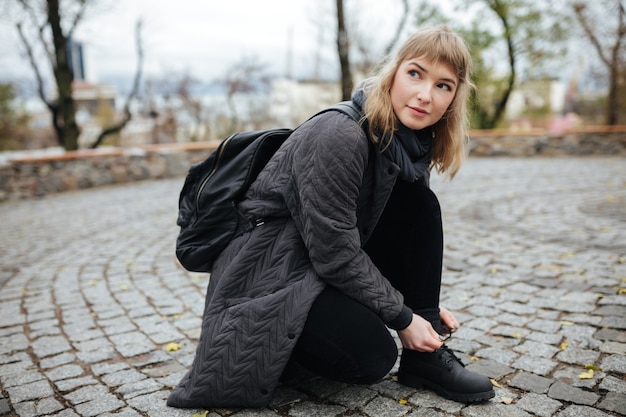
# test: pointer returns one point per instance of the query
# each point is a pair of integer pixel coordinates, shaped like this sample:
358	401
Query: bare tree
63	109
343	50
51	20
609	43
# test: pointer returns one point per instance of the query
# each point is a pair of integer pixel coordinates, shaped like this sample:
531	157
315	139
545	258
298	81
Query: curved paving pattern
91	299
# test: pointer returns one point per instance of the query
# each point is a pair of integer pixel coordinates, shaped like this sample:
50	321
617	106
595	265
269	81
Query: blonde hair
440	46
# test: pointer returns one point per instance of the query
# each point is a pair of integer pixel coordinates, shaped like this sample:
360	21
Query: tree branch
133	93
77	18
399	28
579	9
35	67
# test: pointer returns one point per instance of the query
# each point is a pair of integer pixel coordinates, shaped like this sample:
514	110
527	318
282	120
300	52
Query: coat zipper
221	150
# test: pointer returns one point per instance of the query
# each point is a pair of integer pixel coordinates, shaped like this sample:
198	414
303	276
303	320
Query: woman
351	245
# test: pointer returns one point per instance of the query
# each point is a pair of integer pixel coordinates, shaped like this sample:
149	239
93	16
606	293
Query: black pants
345	341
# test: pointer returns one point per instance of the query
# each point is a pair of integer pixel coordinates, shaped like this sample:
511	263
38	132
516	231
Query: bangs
439	47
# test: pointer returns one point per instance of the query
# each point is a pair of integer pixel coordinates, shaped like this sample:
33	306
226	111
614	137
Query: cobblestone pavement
91	298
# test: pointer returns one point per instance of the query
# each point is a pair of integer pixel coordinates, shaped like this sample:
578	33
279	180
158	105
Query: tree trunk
64	77
343	47
501	103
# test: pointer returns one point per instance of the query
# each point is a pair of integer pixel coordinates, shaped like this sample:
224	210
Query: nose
424	94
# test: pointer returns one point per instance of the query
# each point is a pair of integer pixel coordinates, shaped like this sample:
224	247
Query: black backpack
207	208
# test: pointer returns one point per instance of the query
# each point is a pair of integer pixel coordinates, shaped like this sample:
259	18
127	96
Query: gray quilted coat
320	197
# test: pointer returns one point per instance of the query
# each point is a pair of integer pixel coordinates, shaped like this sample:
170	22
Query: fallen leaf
494	270
172	347
474	358
203	414
564	345
566	323
621	291
593	367
566	255
123	287
495	383
505	400
586	374
517	335
403	401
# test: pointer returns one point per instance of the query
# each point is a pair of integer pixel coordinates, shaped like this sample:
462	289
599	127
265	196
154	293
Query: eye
414	73
445	87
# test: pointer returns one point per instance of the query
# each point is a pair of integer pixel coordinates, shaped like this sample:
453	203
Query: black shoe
444	373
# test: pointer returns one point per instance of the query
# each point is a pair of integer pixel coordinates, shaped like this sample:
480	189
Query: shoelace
445	349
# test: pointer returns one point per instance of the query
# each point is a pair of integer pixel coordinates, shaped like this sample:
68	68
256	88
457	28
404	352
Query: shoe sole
474	397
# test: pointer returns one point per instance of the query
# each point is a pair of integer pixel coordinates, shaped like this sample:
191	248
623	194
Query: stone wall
37	176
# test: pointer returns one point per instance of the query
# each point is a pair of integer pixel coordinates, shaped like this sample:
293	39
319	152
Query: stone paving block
108	368
564	392
425	399
353	397
154	405
141	387
50	345
553	339
571	376
385	407
613	347
503	356
391	388
73	383
584	319
103	404
581	411
510	331
614	363
580	336
132	344
4	406
537	349
614	402
531	382
494	410
122	377
127	412
21	378
611	335
578	356
30	391
544	326
95	356
490	368
54	361
612	384
13	343
87	393
540	405
539	366
251	413
64	372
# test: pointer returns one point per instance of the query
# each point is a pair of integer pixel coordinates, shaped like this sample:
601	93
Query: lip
418	111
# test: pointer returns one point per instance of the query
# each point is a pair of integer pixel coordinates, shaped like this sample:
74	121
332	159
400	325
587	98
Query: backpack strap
346	107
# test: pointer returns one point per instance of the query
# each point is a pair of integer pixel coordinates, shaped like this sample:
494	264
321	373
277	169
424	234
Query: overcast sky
205	37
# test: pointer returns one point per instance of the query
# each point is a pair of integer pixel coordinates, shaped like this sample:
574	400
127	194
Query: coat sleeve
326	175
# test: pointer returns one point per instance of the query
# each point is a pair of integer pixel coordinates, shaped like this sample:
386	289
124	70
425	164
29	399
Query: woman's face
422	92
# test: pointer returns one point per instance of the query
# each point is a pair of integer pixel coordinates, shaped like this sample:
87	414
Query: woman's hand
420	336
448	319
